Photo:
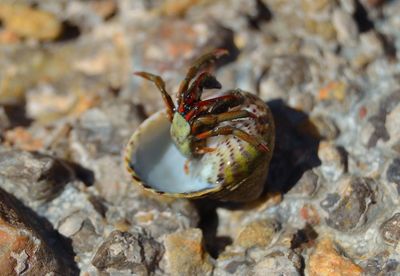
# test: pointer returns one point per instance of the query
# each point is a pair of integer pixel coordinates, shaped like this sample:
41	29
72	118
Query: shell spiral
235	160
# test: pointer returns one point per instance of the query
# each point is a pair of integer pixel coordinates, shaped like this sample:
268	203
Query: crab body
234	159
225	143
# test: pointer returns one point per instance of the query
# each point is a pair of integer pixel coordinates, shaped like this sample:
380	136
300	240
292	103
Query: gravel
329	71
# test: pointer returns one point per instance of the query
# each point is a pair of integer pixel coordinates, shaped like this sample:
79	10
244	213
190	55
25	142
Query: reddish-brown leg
211	120
195	68
159	82
232	99
193	94
228	130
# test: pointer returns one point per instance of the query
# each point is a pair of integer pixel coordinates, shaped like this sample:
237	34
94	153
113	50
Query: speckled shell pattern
240	169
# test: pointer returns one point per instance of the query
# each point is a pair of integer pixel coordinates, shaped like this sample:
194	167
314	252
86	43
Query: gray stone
390	230
279	262
393	173
380	122
348	210
285	73
333	161
392	125
345	26
134	252
382	264
330	68
33	176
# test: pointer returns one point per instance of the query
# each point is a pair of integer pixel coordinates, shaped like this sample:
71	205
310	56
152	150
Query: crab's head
181	134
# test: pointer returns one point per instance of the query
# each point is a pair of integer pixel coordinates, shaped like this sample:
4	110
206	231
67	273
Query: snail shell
234	171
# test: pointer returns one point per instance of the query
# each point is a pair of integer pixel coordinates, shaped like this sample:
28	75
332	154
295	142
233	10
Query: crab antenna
159	82
195	68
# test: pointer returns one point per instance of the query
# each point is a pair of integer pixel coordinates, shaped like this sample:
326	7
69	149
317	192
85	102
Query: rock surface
133	253
185	254
326	260
26	247
329	71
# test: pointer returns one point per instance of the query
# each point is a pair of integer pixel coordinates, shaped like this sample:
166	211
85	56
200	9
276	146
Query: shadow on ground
296	151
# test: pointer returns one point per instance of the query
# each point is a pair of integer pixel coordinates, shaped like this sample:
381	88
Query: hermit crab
217	147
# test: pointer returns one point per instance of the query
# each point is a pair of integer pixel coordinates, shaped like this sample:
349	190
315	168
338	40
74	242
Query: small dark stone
382	264
98	204
349	212
303	236
390	230
393	172
136	252
85	239
233	266
379	120
329	201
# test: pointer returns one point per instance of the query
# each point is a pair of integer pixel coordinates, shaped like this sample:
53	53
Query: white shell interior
157	161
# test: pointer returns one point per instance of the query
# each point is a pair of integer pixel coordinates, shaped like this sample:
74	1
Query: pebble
233	263
348	5
333	161
279	262
327	260
390	230
349	208
383	263
71	225
257	233
392	126
310	6
68	100
134	253
32	176
87	238
393	173
285	74
326	127
185	254
29	22
345	26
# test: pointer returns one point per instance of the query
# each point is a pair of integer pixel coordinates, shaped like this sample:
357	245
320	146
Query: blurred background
329	70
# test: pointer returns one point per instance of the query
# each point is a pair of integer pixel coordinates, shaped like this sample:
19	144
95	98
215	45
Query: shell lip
154	123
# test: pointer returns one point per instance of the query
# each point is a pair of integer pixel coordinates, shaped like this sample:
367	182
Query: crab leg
192	72
228	130
212	120
229	100
204	80
159	82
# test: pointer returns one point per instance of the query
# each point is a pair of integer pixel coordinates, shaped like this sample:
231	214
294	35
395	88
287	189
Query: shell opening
157	161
